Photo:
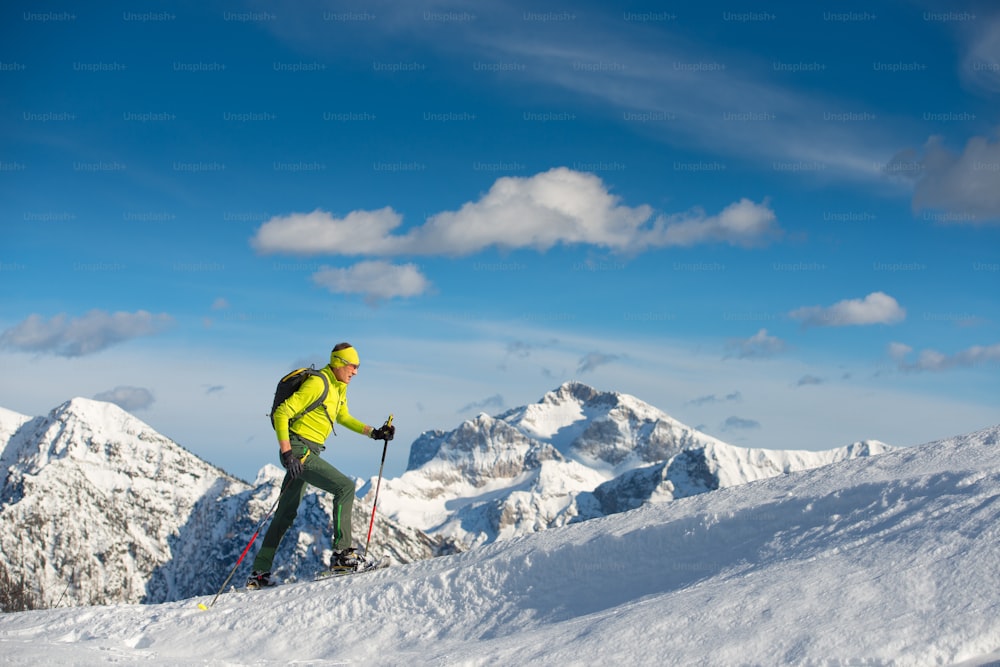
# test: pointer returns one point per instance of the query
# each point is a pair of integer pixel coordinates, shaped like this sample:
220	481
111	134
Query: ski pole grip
386	425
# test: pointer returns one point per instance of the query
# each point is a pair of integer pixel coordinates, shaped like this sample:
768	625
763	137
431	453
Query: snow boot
345	559
259	580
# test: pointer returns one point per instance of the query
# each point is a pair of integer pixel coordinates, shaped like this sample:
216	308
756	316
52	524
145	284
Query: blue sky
779	224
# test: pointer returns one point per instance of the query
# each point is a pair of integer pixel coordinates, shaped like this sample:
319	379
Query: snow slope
887	560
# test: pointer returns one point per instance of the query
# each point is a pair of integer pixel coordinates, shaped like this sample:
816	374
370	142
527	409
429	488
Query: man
300	441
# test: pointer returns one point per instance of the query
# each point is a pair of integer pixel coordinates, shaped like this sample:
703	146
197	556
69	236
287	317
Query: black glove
292	464
383	433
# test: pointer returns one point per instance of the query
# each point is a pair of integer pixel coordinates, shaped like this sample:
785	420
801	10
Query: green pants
322	475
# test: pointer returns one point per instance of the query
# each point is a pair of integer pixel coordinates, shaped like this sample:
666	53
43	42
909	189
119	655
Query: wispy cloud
759	346
809	380
518	351
934	361
713	398
738	424
876	308
982	53
684	93
493	403
592	360
519	348
67	336
128	398
899	351
660	80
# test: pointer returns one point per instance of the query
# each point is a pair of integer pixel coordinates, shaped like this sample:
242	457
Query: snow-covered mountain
576	454
888	560
97	507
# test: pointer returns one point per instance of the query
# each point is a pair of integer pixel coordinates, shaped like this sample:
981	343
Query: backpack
290	384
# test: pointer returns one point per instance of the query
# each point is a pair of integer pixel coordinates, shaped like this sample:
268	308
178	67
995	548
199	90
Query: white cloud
876	308
744	223
375	280
67	336
559	206
932	360
964	186
556	207
760	345
127	398
320	233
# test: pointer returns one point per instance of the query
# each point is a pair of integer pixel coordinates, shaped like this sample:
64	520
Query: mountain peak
603	428
88	435
571	390
94	411
84	428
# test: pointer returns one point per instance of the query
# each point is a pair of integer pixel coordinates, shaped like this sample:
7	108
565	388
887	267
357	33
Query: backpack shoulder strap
321	401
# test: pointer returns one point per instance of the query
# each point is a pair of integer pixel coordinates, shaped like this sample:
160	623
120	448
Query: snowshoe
258	580
363	565
345	559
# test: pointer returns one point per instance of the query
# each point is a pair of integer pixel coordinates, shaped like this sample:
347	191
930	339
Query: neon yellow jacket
314	425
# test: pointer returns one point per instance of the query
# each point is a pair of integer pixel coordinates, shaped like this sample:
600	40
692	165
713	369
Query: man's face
345	373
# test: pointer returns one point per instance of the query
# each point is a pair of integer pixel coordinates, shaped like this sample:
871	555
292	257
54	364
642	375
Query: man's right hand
386	432
292	464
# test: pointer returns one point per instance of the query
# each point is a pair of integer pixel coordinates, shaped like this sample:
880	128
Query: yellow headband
344	357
